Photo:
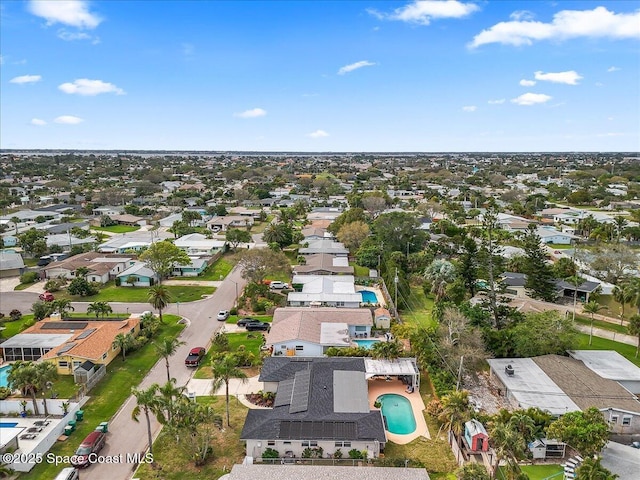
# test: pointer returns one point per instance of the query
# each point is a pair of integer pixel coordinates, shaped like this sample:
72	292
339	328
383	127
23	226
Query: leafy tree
80	286
46	372
592	308
634	329
224	369
32	240
374	204
540	282
23	376
396	230
350	216
124	343
611	261
468	264
281	233
159	297
544	333
165	349
41	310
586	431
472	471
161	257
353	234
368	254
147	402
236	236
564	268
257	263
592	469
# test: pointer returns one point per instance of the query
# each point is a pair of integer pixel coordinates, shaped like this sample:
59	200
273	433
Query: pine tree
540	280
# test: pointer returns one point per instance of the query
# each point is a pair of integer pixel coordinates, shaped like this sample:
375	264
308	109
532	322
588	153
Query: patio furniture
34	430
28	436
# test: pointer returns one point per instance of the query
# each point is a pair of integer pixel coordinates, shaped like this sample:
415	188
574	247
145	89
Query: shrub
233	311
337	453
355	454
4	392
29	277
434	408
15	315
270	453
52	285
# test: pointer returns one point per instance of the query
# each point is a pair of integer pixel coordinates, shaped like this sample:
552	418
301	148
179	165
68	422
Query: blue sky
321	76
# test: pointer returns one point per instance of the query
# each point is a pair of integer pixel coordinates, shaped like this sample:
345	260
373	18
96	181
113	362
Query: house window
76	364
614	419
63	364
271	443
360	328
339	304
286	443
626	420
132	330
309	443
283	347
299	348
104	356
342	444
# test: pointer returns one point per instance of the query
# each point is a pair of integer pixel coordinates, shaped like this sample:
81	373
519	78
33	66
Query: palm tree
386	350
166	348
159	297
455	411
440	273
46	372
147	402
592	308
15	221
523	424
619	223
634	329
634	287
509	445
623	294
124	343
63	306
591	469
224	369
24	377
170	400
101	309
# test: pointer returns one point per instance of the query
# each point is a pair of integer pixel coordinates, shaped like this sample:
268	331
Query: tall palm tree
224	369
455	411
124	343
166	348
623	294
523	424
619	223
171	399
634	287
101	309
592	308
24	377
15	221
509	445
46	372
634	329
159	297
63	306
147	403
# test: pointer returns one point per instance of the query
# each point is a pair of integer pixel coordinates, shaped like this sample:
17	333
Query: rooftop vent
509	370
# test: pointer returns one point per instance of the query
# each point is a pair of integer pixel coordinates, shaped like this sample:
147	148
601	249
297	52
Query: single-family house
324	246
549	235
127	219
137	275
222	224
319	403
108	210
324	290
324	213
611	365
196	244
309	332
100	267
11	264
194	268
324	264
315	233
10	241
260	471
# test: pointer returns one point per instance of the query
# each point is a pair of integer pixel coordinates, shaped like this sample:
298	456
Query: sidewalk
202	387
608	334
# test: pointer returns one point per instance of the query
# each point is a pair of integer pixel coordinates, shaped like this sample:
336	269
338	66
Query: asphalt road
125	435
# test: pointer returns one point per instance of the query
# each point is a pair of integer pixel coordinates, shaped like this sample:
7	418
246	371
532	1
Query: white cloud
26	79
469	108
500	101
354	66
423	11
569	78
613	69
68	36
318	134
68	120
38	122
610	134
596	23
519	15
527	83
87	88
69	12
531	99
253	113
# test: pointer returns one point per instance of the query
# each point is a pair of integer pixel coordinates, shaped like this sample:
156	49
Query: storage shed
476	436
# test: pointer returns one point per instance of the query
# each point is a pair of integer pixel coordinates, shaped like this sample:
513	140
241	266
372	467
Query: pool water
8	424
398	413
4	372
366	343
368	296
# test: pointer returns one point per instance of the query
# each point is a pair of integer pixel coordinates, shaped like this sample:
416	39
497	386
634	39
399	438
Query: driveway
621	460
127	436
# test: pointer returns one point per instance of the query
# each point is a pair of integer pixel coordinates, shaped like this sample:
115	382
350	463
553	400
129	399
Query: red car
88	449
46	297
194	357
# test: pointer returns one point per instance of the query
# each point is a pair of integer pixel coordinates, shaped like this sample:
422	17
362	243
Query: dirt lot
483	393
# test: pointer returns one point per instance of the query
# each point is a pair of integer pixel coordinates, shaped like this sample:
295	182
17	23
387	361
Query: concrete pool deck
372	289
379	386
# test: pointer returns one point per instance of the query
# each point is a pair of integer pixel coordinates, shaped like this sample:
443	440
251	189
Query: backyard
117	229
108	395
419	311
251	341
111	293
215	272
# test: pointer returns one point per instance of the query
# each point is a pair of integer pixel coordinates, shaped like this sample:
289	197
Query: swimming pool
368	296
4	371
398	413
8	424
366	343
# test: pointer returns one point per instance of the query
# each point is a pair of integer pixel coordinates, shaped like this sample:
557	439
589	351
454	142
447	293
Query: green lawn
614	308
614	327
250	340
213	273
359	271
13	328
108	396
627	351
116	229
111	293
259	227
419	313
538	472
22	286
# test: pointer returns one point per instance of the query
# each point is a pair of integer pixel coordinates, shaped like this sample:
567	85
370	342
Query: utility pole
459	372
395	280
576	278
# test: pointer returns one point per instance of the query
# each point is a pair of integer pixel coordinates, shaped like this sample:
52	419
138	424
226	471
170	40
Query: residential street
125	435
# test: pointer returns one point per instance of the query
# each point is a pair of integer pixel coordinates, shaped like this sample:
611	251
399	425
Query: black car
243	321
256	325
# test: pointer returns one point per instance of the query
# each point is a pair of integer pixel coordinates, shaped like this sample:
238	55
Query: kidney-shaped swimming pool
398	413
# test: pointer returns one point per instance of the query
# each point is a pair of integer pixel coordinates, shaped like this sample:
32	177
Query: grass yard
419	313
213	273
434	454
176	463
251	342
111	293
108	396
358	270
537	472
614	327
627	351
13	328
23	286
614	308
116	229
259	227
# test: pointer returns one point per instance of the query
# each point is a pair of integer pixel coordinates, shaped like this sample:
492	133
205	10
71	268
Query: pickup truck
194	357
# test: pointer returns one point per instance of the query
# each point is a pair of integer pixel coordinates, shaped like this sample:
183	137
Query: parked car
243	321
93	443
635	444
46	297
194	357
278	285
256	325
68	473
223	315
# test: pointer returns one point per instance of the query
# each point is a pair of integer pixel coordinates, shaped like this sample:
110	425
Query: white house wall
255	448
309	349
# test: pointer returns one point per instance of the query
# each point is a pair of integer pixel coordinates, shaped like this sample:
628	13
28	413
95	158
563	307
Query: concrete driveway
622	460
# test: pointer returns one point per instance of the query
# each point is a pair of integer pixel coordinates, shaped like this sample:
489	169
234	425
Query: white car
223	315
278	285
